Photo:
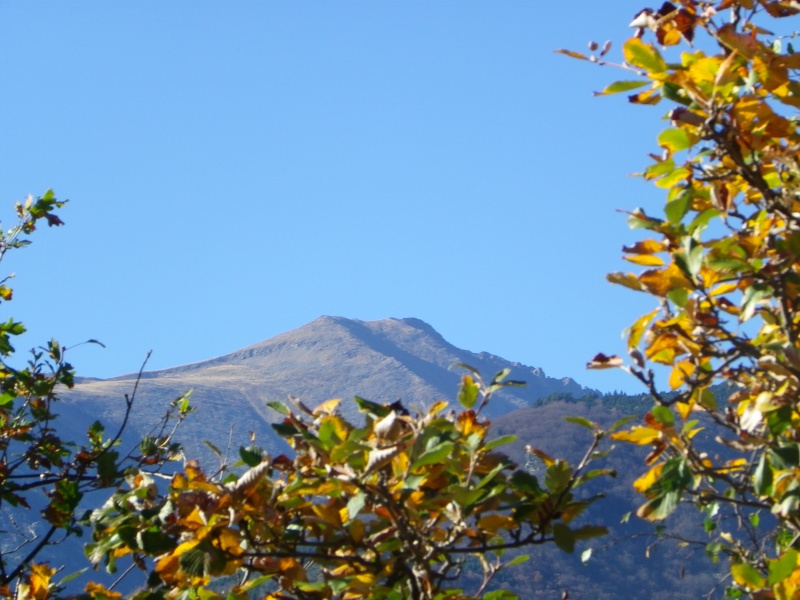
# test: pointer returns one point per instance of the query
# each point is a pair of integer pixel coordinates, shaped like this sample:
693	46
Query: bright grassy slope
237	170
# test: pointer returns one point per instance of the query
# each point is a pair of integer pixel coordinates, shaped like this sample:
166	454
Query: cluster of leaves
39	469
394	508
724	263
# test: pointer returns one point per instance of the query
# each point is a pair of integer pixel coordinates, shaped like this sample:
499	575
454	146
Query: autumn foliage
394	507
42	471
723	262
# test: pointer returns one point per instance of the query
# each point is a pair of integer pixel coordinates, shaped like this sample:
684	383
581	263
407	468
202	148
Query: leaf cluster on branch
38	467
723	262
394	508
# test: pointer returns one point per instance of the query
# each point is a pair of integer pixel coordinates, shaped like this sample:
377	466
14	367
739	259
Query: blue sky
236	170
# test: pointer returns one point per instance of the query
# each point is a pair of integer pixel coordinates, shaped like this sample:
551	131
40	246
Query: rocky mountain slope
331	357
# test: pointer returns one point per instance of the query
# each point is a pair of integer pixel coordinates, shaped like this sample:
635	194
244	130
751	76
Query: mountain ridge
331	357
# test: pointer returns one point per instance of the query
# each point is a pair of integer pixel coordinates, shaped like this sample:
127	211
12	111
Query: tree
393	508
39	469
723	262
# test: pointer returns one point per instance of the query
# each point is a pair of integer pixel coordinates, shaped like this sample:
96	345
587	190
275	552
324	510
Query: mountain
331	357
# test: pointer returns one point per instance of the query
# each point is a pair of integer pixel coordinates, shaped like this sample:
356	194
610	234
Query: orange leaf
659	282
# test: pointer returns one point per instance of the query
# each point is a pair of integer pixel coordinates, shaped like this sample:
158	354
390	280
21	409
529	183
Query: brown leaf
601	361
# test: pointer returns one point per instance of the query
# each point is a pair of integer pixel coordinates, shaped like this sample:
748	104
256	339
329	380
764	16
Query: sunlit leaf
746	576
621	86
644	56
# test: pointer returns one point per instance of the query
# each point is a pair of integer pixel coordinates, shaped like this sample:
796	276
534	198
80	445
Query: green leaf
213	448
154	541
659	168
580	421
524	481
557	476
679	296
751	298
644	56
251	455
500	376
762	477
500	595
588	532
437	454
468	392
702	220
376	410
621	86
564	538
501	441
279	407
412	482
781	568
676	209
72	576
663	415
518	560
354	505
747	576
675	140
107	466
621	423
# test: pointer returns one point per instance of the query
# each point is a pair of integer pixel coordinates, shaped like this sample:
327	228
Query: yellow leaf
328	513
327	407
638	328
747	577
659	282
99	590
638	435
646	481
724	288
40	581
673	178
493	523
705	69
357	530
228	541
772	75
645	247
437	407
647	260
648	97
731	466
629	280
680	372
684	408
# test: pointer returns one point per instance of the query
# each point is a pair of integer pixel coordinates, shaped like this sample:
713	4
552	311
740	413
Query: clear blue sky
236	170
